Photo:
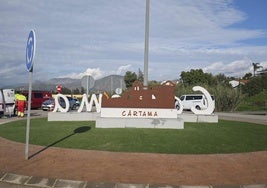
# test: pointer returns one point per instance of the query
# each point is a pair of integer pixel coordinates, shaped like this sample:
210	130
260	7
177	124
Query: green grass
196	138
254	103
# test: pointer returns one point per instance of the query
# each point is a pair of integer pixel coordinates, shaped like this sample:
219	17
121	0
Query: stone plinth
72	116
212	118
161	123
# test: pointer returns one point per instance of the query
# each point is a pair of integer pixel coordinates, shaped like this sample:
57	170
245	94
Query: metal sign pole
28	116
87	89
87	83
30	52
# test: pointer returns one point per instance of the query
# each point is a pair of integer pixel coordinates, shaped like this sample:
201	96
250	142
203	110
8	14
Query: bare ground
100	166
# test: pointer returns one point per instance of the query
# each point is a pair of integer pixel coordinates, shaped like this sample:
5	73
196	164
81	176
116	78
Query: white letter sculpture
181	108
90	105
210	103
58	106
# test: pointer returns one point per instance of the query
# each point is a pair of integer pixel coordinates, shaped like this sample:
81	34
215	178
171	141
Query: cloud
200	23
96	73
122	69
236	68
107	37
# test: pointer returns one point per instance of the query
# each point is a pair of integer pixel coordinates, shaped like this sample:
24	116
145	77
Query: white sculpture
89	105
210	103
179	103
58	106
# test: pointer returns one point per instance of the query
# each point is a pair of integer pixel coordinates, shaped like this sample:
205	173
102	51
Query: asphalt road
251	117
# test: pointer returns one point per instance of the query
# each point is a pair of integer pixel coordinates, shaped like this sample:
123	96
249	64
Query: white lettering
178	103
89	105
58	106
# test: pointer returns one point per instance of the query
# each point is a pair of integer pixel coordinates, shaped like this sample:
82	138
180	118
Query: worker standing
21	99
16	105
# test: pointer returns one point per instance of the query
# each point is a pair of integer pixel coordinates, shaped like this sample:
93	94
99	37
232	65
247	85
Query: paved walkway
58	167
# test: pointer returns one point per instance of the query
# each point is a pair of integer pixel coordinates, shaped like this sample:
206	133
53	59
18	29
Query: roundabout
134	168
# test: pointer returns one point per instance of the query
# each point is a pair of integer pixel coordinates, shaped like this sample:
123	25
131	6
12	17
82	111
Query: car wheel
198	108
74	107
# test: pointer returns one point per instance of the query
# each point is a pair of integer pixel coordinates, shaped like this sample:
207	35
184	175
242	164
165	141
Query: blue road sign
30	50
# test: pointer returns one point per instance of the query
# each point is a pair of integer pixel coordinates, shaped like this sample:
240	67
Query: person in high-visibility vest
16	104
21	100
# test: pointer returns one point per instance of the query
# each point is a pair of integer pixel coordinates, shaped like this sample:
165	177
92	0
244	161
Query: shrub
226	97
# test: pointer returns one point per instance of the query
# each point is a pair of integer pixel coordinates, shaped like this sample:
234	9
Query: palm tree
256	66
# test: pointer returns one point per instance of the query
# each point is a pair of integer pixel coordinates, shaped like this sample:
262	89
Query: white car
197	101
49	104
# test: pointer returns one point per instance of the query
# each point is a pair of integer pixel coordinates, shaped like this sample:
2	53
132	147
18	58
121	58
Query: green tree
226	97
65	90
256	66
255	85
140	76
129	78
247	76
153	83
196	77
221	78
83	90
76	91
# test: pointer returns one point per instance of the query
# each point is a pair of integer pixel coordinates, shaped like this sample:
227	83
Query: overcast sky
103	37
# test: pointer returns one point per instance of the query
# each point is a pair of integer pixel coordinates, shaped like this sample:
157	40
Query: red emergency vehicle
38	97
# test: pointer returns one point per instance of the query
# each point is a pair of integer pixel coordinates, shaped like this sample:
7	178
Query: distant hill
108	83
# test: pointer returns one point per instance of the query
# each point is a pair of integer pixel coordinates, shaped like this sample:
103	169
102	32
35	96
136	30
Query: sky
104	37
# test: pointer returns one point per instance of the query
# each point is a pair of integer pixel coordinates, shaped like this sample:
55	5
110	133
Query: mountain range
108	83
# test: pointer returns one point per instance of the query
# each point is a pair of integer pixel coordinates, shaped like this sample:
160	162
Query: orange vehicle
38	97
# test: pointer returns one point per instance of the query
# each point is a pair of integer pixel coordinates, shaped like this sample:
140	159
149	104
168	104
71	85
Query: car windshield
70	98
49	100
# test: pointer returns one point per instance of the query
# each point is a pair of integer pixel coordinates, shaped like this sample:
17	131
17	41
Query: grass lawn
255	103
195	138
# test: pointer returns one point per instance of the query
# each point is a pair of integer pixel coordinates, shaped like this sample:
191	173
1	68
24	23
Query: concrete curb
30	181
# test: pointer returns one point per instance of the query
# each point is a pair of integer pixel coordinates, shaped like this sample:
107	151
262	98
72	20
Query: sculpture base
212	118
157	122
72	116
161	123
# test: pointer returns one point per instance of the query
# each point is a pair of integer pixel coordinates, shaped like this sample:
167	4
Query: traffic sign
30	50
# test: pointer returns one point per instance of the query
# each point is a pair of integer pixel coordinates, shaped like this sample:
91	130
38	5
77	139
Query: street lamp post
146	45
